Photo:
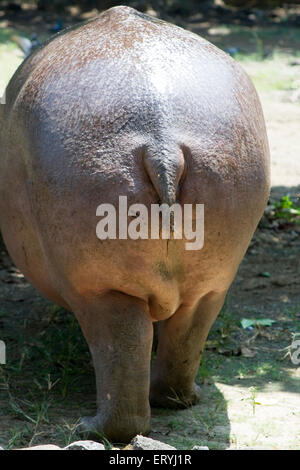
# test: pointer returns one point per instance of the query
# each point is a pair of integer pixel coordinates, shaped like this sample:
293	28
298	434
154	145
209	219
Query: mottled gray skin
130	105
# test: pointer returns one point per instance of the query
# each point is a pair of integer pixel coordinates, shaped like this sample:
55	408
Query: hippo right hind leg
180	345
119	333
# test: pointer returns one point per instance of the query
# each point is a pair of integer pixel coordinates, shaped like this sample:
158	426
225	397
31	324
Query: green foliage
286	209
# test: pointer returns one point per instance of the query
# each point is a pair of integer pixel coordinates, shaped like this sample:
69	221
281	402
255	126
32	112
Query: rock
151	12
268	238
219	31
264	222
145	443
282	281
256	283
200	448
1	448
229	351
85	445
128	447
43	447
196	18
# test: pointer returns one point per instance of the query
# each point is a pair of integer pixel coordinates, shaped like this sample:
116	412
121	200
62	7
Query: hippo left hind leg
119	333
180	345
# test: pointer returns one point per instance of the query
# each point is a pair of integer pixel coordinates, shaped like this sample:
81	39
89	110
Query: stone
43	447
85	445
146	443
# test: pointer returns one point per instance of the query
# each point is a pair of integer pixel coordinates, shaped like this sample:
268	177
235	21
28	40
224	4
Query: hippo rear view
129	106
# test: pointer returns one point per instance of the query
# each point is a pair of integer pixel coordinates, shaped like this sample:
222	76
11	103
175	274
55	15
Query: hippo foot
90	427
162	396
121	432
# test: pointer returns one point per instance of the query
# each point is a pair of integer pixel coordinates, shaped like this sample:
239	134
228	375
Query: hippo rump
128	105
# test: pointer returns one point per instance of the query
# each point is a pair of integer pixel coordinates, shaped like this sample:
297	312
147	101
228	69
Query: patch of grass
294	314
67	432
5	38
225	325
54	372
174	423
251	372
19	436
272	74
259	42
265	53
61	351
269	369
48	366
204	373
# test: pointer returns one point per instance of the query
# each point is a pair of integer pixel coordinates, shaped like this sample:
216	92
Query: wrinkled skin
130	105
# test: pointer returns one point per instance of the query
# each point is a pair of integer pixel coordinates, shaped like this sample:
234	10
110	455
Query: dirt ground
250	386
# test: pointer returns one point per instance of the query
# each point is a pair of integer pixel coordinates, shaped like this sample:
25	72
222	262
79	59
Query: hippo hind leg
180	345
119	333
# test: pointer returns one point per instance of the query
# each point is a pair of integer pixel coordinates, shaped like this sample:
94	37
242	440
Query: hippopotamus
129	105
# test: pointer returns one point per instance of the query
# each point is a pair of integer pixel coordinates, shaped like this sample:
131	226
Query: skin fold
129	105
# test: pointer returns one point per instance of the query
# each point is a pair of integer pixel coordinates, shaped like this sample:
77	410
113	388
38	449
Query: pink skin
128	105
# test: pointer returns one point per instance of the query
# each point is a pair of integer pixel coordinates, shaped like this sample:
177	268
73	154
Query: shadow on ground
48	381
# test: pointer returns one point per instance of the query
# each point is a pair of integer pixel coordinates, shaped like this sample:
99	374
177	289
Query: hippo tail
165	168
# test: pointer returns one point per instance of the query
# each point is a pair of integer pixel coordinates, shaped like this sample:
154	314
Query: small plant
253	391
252	398
259	46
286	209
68	432
204	371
